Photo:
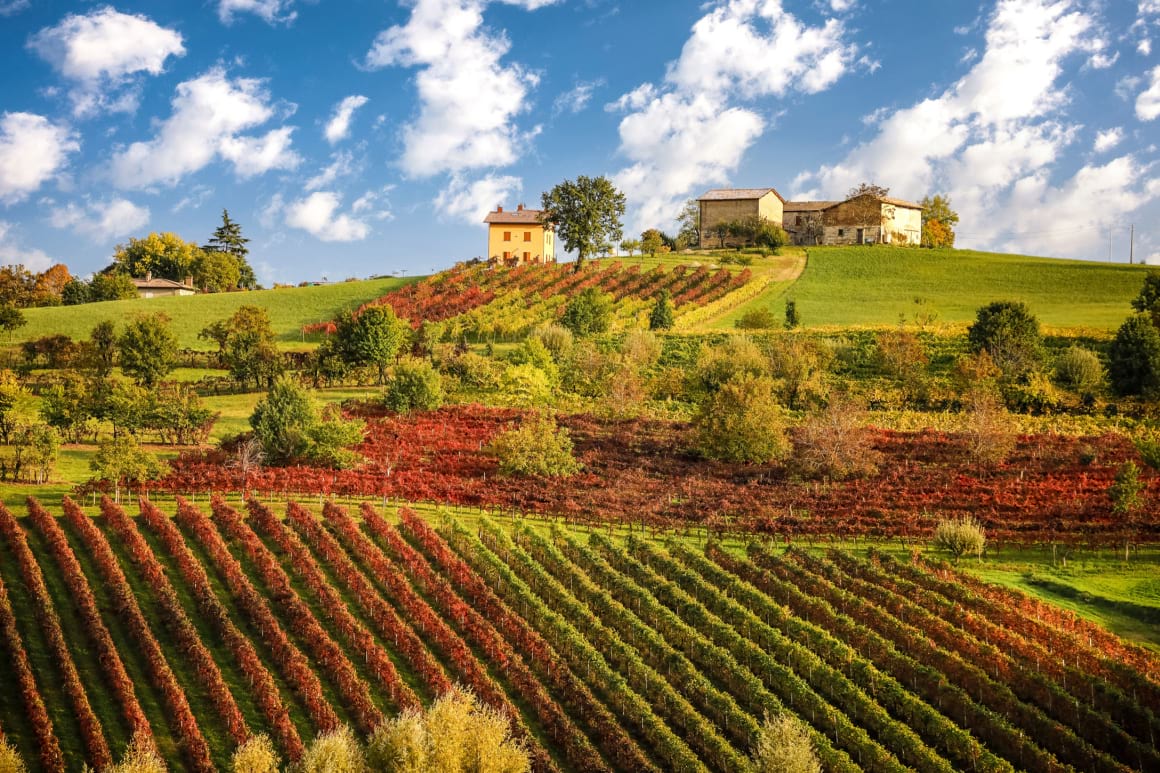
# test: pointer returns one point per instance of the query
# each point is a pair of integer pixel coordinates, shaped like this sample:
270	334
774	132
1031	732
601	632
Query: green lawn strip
150	698
381	699
289	310
294	705
233	676
212	728
874	285
13	718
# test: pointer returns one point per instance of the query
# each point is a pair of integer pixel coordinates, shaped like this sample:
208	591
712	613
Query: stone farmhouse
517	237
157	287
864	219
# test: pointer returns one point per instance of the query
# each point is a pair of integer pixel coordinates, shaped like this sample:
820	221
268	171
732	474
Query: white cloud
470	103
32	151
318	215
338	127
992	142
12	7
1144	47
688	133
101	221
375	204
101	52
252	156
208	114
1148	101
193	199
1108	139
273	11
577	98
12	253
470	201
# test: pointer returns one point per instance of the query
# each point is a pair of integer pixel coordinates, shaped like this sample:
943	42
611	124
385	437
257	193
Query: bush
960	537
533	352
335	752
526	386
836	443
990	433
289	428
1134	357
557	339
784	746
716	365
641	350
793	319
1009	332
256	755
742	422
1149	450
536	447
1148	301
588	313
415	385
475	371
1127	491
757	319
661	316
140	757
1079	370
10	761
457	734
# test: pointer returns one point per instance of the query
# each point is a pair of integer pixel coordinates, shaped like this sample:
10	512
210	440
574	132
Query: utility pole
1132	245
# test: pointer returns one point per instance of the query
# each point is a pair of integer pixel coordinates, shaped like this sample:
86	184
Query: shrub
742	422
1134	357
960	537
661	316
588	371
140	757
793	319
557	339
256	755
784	746
1127	491
415	385
1149	449
123	462
715	365
536	447
799	367
1009	332
335	752
990	433
533	352
1079	370
457	734
526	386
1148	301
641	349
475	371
588	312
757	319
289	427
10	761
836	443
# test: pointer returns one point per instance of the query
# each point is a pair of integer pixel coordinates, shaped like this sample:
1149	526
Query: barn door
861	236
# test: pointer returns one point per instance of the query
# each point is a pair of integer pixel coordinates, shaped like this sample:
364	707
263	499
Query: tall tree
228	238
373	338
938	221
872	188
247	346
585	213
1148	301
11	318
164	255
148	349
651	241
690	222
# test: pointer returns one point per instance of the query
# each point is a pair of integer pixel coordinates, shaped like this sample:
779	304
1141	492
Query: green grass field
875	285
289	309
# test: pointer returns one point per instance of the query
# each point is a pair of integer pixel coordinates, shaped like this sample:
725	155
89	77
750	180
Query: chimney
189	280
520	208
499	209
148	276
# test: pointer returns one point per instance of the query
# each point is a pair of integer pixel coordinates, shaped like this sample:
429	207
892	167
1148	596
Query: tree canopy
938	221
228	238
586	214
148	349
164	255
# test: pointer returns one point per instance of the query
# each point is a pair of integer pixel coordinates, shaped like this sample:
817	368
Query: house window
527	236
527	256
841	232
507	236
506	255
799	220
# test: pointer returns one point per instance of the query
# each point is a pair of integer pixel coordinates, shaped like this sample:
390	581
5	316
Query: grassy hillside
289	308
874	285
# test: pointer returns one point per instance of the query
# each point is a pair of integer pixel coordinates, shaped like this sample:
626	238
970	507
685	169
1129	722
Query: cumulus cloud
102	52
209	113
992	141
470	102
101	221
739	51
13	253
338	127
272	11
318	215
1148	101
12	7
470	200
32	151
1108	139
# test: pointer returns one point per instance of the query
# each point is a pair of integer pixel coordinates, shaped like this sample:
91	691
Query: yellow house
722	206
518	237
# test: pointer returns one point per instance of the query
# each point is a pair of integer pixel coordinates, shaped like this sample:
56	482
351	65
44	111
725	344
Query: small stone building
157	287
517	236
726	205
864	219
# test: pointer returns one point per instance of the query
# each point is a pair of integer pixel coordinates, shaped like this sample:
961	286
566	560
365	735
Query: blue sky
362	137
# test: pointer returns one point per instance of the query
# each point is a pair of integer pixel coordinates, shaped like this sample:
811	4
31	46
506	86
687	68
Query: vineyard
197	630
487	303
636	471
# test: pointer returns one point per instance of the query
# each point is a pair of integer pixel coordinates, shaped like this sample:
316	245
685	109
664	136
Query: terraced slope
199	628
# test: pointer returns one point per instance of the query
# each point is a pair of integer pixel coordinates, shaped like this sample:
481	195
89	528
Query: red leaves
181	718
